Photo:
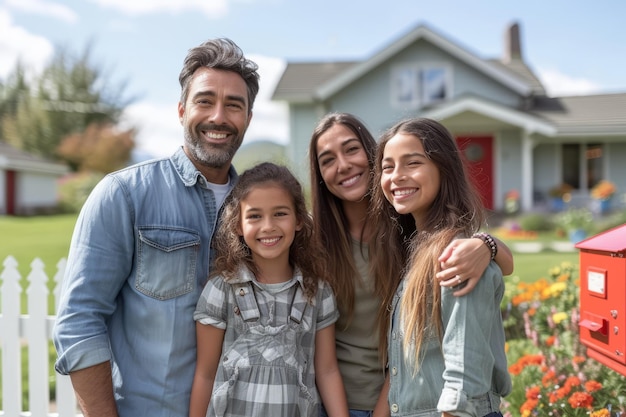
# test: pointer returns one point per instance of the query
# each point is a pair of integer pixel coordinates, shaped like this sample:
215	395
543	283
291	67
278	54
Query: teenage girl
265	320
341	162
445	353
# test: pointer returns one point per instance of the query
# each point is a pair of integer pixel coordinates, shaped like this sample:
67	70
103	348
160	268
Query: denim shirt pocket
166	261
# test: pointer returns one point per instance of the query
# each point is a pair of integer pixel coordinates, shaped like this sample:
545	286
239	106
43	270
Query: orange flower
580	400
529	405
533	393
601	413
559	394
516	368
563	278
603	190
591	386
550	341
549	378
578	359
572	381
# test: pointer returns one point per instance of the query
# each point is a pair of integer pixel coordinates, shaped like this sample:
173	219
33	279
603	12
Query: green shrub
535	222
74	189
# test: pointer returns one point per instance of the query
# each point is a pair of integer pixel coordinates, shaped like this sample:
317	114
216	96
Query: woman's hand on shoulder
463	261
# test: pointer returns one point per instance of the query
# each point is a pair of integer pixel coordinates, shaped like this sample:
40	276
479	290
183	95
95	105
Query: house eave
33	166
529	123
594	131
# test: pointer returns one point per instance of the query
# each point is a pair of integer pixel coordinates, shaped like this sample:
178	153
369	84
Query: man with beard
140	251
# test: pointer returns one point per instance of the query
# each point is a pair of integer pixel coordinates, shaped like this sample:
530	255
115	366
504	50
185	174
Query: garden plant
551	374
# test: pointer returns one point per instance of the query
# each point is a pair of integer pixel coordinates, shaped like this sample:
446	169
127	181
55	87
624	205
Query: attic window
414	86
434	86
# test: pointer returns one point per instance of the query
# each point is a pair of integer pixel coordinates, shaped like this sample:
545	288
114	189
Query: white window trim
412	85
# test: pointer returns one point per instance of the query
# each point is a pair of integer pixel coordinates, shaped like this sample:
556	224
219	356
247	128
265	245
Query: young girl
445	354
342	153
265	320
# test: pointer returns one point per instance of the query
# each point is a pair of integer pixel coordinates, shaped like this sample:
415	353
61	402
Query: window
413	86
571	165
433	82
404	88
582	165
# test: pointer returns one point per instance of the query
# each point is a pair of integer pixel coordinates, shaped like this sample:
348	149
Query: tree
99	148
69	95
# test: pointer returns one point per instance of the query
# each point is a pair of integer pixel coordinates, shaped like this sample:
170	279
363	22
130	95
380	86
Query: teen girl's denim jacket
138	261
467	375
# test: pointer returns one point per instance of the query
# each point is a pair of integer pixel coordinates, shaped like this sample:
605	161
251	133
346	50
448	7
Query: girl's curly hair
231	250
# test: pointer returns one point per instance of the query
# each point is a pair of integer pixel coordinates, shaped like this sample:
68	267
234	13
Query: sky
575	46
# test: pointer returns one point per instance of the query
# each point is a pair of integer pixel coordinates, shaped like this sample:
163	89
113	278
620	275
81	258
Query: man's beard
208	154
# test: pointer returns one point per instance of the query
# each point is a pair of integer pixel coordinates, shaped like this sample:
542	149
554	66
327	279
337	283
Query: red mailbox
603	297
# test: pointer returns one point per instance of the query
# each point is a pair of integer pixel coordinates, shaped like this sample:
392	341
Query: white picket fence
33	330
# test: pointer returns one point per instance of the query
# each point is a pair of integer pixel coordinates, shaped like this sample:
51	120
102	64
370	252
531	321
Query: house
515	137
28	183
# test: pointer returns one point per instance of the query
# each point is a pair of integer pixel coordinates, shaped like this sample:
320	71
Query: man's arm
94	390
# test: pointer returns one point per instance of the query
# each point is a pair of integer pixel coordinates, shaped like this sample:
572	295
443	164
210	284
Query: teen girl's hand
463	262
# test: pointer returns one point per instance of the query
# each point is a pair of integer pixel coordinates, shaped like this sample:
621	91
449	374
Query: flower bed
551	373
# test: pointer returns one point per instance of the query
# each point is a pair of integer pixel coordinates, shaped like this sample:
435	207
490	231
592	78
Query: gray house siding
508	168
303	119
546	171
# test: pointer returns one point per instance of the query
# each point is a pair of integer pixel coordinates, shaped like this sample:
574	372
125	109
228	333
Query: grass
530	267
44	237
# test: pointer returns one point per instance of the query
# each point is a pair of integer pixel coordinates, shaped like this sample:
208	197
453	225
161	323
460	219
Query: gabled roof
298	77
519	67
529	122
596	115
299	80
16	159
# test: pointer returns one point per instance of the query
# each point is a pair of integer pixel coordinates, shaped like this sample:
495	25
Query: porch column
527	170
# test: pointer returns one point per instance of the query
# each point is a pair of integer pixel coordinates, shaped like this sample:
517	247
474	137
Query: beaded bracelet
489	241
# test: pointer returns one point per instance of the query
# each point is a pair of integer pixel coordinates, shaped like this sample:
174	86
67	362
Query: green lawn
530	267
43	237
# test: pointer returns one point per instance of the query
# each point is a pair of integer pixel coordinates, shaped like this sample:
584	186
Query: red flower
549	378
516	368
580	400
572	381
529	405
591	386
533	393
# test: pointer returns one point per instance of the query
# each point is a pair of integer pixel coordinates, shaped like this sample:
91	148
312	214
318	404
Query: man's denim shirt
138	261
470	375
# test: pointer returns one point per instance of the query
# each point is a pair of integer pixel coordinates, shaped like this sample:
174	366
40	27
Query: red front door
10	191
478	153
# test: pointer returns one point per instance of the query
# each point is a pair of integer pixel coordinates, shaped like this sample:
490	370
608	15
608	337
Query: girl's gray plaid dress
266	367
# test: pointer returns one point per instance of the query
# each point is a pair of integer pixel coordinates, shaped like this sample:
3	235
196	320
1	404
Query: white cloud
559	84
270	119
16	43
159	131
211	8
45	8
